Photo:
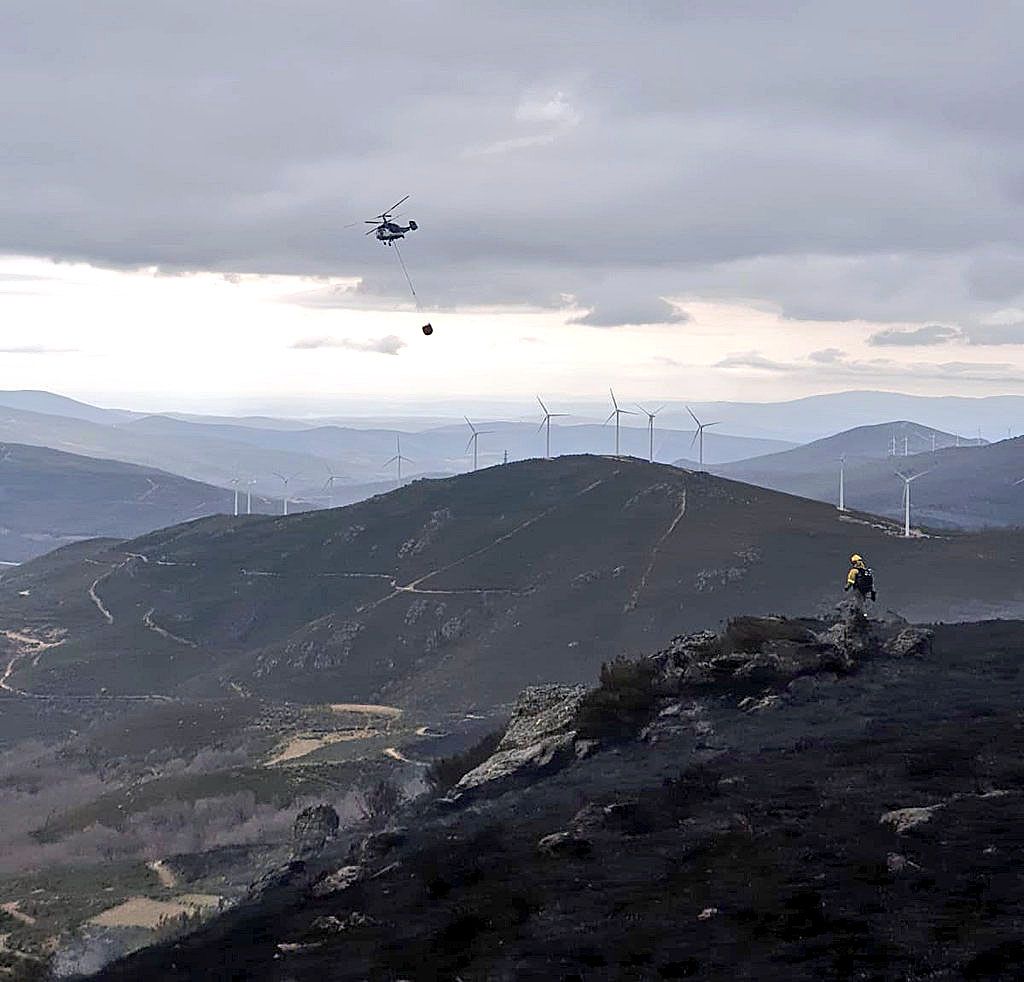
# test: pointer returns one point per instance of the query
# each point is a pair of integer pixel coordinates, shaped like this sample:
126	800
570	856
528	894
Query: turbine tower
842	482
907	481
546	424
248	496
650	429
398	458
473	440
699	434
234	484
284	480
329	488
616	413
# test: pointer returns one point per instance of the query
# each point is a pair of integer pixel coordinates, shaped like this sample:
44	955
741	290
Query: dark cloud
840	161
391	344
636	311
928	335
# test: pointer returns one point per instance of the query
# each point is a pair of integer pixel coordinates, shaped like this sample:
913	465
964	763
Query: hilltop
971	486
454	593
49	498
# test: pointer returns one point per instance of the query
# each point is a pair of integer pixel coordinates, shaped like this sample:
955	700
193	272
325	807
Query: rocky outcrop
541	711
509	769
538	740
912	642
564	845
768	662
311	830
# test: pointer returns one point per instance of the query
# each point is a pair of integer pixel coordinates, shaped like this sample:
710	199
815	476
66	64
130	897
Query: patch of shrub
622	704
750	634
445	772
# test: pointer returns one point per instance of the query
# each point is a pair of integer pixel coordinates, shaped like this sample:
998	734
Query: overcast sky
708	199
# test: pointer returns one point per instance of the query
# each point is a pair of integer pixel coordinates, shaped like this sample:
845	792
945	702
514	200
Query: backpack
865	580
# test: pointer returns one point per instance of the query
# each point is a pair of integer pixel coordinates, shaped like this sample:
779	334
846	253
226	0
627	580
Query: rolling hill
967	487
458	592
49	498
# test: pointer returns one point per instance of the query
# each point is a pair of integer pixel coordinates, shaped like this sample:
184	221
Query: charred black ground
750	847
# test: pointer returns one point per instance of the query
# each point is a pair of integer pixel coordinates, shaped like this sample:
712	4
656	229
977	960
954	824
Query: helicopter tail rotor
413	225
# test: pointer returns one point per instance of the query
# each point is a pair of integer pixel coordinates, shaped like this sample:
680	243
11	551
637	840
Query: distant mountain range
970	487
458	592
49	498
218	452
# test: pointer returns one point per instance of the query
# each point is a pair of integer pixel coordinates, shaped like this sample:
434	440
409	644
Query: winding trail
641	586
95	598
147	620
30	647
415	585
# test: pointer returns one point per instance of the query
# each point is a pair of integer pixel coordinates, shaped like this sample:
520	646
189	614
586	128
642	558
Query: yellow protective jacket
851	577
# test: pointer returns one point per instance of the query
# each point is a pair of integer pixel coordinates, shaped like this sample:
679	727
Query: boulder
381	843
911	642
564	844
513	768
760	668
905	819
805	688
312	828
341	879
539	712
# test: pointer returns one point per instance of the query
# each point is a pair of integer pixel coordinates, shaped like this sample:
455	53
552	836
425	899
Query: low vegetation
445	772
622	704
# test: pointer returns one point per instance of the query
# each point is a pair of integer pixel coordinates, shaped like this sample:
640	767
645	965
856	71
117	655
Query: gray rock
512	768
905	819
381	843
541	711
564	844
761	668
312	828
341	879
911	642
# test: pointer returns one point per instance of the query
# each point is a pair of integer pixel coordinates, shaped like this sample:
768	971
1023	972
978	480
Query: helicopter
387	231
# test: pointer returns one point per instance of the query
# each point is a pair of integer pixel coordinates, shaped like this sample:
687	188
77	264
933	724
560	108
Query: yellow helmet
856	558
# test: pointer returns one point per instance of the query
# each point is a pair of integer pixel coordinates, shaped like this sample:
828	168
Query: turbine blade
696	433
614	403
690	411
542	406
611	416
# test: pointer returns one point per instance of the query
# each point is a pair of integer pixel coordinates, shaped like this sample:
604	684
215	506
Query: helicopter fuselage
390	231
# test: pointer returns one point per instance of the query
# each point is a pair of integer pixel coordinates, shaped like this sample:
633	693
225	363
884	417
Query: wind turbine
701	427
398	458
907	481
234	482
284	480
842	482
650	428
616	413
546	423
476	434
248	496
329	488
